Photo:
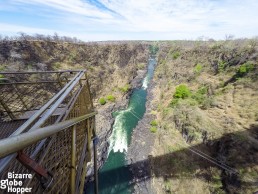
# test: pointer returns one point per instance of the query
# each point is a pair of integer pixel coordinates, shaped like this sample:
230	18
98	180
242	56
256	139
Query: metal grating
22	95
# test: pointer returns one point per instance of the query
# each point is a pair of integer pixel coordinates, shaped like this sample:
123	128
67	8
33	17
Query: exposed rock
105	121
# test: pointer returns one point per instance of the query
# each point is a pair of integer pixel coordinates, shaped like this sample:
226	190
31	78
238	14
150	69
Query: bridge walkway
47	126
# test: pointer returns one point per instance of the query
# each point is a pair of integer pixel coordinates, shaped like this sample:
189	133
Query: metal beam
16	143
61	117
73	160
37	82
48	113
43	72
5	161
43	108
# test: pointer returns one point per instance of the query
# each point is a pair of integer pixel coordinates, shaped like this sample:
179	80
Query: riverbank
105	121
115	175
140	149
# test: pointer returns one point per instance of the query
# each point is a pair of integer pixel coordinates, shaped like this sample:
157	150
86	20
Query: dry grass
233	110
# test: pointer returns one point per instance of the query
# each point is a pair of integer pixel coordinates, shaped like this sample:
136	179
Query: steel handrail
32	133
15	143
57	99
46	106
39	82
62	116
43	72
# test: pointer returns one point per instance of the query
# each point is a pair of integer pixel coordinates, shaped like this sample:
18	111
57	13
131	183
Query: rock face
105	121
109	65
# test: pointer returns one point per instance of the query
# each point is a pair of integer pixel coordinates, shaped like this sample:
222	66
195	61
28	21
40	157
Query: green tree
102	101
182	91
153	129
154	123
244	69
111	98
175	54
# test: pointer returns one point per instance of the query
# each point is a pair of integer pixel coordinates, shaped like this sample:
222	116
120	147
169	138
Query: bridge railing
57	161
28	91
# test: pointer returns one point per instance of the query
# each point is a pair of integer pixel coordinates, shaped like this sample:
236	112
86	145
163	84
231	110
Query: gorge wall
206	99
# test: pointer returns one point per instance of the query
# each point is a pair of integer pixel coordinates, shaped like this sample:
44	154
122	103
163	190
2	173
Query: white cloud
72	6
14	29
10	28
144	19
163	15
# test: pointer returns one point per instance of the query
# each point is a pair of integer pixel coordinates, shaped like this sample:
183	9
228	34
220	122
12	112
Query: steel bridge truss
47	124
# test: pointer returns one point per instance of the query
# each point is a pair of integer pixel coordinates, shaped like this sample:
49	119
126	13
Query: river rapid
115	176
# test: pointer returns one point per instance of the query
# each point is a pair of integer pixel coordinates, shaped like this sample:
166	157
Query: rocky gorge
105	120
197	132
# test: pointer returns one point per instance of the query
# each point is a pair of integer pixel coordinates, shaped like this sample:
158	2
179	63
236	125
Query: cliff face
106	63
206	99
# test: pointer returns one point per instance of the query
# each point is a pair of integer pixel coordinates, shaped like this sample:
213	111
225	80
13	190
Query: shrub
198	68
202	90
102	101
111	98
165	112
125	88
153	129
174	102
201	97
207	103
182	91
141	66
244	69
154	123
175	54
184	96
221	66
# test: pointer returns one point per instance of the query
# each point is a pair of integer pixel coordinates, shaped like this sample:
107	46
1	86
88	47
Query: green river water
115	176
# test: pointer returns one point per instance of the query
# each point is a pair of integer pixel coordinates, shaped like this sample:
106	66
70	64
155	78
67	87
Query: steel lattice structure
53	111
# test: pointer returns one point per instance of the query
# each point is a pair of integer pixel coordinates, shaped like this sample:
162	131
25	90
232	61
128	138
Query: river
115	176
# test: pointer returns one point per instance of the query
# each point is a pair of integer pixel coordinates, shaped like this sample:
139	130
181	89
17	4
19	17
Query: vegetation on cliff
206	99
110	66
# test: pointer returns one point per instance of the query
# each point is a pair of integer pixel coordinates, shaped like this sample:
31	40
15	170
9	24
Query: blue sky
91	20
